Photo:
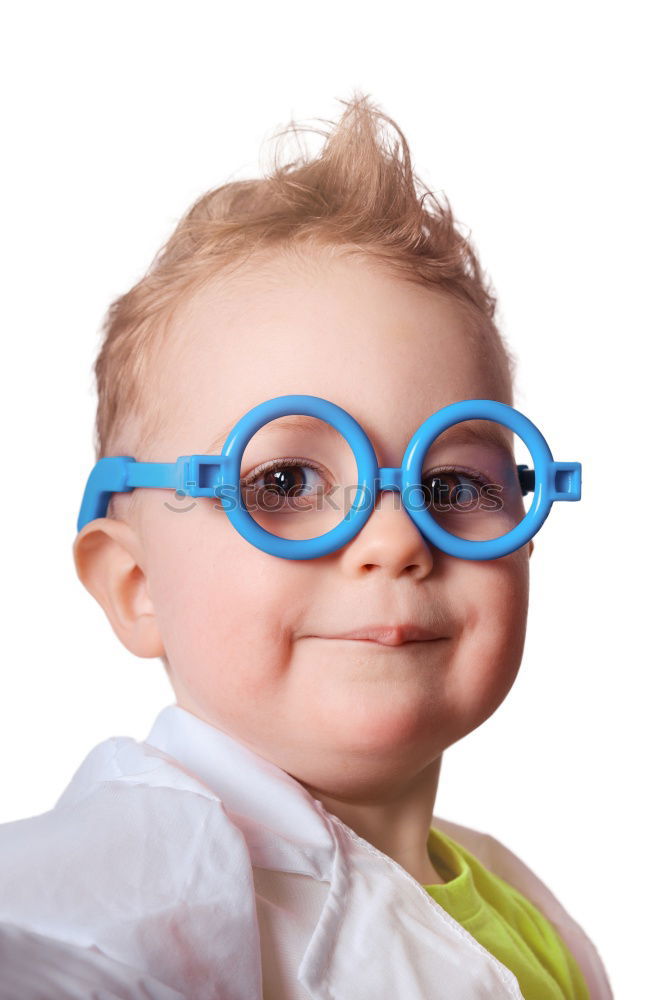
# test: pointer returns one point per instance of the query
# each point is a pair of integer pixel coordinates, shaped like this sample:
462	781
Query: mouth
389	635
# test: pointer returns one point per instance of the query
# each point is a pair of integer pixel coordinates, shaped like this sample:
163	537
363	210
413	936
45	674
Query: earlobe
106	556
531	548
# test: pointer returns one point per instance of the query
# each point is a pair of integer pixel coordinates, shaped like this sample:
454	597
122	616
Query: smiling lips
389	635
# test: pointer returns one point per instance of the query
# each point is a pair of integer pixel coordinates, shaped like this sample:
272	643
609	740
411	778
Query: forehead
388	350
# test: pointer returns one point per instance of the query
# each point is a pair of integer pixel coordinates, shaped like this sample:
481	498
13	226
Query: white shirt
187	866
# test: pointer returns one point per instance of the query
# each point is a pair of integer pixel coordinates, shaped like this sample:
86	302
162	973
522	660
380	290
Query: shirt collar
284	825
459	894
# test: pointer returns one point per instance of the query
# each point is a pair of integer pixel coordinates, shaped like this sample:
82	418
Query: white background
543	125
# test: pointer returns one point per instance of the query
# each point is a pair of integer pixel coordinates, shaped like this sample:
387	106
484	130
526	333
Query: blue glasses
298	478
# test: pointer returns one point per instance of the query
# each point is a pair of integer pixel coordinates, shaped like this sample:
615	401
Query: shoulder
137	860
131	827
500	860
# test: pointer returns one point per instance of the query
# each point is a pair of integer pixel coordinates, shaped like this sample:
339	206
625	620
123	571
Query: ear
531	547
108	559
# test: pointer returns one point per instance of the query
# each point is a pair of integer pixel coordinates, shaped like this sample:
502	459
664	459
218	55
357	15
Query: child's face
244	631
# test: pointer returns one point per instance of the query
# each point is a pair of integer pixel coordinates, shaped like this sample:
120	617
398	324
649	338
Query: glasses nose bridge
390	479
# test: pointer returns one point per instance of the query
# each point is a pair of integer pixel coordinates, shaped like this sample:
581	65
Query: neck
397	825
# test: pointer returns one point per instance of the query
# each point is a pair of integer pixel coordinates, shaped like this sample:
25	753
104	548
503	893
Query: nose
389	540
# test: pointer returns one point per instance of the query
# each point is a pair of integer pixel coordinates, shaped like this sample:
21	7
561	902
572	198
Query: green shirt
504	922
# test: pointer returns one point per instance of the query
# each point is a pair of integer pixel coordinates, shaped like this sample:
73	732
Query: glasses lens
471	482
298	476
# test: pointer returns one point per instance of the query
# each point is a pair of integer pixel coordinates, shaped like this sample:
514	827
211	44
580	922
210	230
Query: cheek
226	611
491	644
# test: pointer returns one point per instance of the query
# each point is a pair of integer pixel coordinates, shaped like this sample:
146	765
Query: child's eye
446	485
296	478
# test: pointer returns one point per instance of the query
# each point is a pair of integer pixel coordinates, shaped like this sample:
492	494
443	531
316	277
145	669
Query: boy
273	836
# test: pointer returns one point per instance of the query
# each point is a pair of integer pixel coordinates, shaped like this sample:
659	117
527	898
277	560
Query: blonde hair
359	195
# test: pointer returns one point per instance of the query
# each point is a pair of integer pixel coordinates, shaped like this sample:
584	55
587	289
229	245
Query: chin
381	745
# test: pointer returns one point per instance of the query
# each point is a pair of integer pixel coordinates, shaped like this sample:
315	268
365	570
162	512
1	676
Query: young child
273	836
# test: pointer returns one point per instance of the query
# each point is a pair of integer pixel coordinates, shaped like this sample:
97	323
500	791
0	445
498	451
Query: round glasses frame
219	476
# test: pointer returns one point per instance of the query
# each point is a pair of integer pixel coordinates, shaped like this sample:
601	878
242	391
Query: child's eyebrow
296	422
487	431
